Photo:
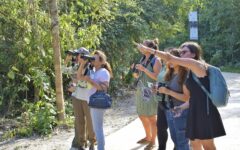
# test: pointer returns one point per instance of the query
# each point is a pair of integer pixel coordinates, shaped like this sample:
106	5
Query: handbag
100	99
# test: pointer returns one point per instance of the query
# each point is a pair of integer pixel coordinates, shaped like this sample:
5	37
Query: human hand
68	58
155	89
177	111
140	67
72	87
87	78
163	90
132	66
82	61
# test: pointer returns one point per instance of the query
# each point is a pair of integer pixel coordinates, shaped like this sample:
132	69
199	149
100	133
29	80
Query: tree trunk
57	59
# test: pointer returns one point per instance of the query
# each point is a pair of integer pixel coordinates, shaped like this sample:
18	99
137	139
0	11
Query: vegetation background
27	89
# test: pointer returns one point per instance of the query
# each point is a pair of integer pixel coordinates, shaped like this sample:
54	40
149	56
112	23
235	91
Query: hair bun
156	41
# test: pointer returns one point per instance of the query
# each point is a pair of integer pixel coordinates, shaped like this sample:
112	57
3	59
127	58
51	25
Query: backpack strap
153	62
147	63
150	60
204	89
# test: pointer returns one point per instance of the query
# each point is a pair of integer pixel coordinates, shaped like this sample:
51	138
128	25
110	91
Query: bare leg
196	144
208	144
153	123
146	126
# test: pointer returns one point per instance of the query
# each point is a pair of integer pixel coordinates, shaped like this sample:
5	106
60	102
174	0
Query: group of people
166	97
183	106
87	77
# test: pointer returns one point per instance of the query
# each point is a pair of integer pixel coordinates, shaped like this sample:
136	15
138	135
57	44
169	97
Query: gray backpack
219	93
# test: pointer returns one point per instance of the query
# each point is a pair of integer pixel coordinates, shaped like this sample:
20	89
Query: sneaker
143	141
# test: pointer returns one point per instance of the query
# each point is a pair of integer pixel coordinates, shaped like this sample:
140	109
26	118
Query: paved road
125	138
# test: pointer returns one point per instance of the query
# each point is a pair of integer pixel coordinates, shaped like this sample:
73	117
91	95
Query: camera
88	69
160	84
135	71
87	57
71	52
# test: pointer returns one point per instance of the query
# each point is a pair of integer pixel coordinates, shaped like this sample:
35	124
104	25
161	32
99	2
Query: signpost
193	23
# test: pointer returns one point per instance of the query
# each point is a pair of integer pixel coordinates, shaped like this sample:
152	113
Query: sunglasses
183	52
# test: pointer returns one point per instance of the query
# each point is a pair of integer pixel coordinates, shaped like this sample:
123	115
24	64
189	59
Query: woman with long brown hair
176	93
100	79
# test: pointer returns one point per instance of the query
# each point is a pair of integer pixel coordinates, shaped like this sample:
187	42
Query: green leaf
27	78
15	69
11	74
21	55
27	40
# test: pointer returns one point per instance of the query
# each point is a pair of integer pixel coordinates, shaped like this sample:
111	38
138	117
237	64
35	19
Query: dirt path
119	116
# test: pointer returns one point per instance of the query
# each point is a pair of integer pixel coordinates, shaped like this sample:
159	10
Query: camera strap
147	63
167	104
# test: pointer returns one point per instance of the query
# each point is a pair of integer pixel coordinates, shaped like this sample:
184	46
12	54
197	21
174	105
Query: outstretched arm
195	66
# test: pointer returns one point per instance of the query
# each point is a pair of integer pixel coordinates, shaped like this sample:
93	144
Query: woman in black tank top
202	126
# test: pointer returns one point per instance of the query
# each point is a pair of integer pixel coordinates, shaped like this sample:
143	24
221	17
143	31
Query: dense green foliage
219	32
26	55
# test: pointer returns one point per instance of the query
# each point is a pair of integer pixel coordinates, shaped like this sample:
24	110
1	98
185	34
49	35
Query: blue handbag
100	99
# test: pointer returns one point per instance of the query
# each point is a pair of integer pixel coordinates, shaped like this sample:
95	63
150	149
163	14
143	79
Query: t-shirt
101	75
83	88
174	86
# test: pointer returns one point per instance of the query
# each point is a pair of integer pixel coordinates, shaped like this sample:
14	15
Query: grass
230	69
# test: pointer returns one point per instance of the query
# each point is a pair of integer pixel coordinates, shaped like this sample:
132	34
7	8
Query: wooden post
57	58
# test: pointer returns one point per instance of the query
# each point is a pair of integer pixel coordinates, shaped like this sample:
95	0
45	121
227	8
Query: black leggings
162	127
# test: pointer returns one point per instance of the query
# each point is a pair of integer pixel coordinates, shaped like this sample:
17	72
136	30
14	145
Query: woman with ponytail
99	81
146	102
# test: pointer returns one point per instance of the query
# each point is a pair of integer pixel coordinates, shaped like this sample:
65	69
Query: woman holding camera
162	125
176	94
99	81
146	102
83	123
203	125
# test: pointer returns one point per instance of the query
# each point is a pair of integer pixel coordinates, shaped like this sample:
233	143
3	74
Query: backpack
219	93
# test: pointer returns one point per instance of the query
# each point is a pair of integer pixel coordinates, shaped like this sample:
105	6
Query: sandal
143	141
150	146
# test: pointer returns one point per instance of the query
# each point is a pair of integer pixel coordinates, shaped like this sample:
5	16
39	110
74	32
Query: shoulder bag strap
204	89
